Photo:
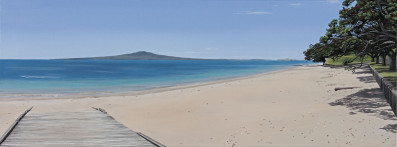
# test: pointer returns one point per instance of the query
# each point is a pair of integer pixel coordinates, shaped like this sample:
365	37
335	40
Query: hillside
141	55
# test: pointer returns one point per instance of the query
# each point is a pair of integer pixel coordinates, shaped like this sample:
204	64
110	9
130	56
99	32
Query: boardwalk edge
11	128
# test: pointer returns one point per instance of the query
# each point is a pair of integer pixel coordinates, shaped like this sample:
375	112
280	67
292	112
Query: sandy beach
294	107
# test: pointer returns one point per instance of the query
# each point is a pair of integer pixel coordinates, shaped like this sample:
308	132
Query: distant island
144	55
287	59
141	55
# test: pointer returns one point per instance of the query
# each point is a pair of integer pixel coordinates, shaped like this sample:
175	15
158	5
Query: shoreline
294	107
101	94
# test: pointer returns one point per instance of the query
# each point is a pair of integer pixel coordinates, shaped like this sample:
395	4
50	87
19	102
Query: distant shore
293	107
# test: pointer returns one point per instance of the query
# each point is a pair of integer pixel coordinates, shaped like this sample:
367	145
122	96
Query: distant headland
141	55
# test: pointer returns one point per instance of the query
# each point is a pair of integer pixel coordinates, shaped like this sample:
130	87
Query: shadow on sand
390	128
366	79
363	70
370	101
367	101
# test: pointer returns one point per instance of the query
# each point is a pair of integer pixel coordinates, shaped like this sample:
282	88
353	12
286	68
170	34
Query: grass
382	70
386	73
341	60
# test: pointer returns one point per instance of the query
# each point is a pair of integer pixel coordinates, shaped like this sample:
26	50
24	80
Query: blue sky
234	29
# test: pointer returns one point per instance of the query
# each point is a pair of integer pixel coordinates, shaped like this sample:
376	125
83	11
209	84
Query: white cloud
332	1
210	48
295	4
192	52
254	13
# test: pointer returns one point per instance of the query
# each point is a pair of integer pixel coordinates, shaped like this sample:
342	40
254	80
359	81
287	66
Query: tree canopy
364	27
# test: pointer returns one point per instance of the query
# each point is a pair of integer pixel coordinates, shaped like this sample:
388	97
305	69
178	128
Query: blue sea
84	76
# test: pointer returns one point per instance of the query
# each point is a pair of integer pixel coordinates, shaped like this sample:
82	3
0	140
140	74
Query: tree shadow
367	79
392	80
333	66
369	101
363	70
390	128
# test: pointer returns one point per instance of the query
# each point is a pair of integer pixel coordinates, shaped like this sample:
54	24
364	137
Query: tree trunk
383	60
393	61
377	59
372	59
362	60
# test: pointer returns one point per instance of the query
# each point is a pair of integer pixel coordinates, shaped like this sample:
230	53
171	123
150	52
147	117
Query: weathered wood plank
12	127
88	128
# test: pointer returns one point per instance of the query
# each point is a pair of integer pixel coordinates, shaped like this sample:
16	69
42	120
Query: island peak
140	55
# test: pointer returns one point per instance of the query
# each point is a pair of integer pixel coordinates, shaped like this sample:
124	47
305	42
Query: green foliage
316	53
364	27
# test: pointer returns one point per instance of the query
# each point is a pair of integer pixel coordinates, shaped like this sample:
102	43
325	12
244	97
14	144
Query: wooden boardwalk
88	128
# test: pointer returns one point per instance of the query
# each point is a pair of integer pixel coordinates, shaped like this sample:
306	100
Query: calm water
77	76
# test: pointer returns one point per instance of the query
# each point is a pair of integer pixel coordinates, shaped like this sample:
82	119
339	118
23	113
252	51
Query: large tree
335	43
365	27
374	21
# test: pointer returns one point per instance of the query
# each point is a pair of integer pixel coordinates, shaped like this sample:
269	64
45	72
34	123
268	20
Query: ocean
85	76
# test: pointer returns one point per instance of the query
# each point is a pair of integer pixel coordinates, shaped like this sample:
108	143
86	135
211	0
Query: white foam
38	77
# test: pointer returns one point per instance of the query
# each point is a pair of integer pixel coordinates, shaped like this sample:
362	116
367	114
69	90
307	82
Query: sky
227	29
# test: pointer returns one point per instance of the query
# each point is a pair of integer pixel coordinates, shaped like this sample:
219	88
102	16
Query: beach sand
294	107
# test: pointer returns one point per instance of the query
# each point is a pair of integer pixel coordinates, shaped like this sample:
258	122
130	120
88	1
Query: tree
373	20
364	27
316	53
334	44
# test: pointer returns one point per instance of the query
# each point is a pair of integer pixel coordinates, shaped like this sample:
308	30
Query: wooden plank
9	130
88	128
158	144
